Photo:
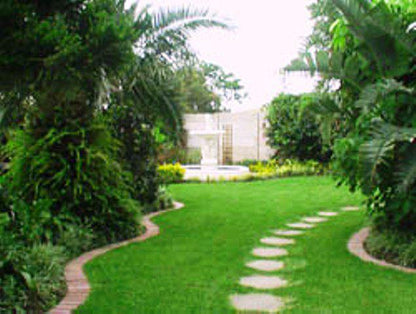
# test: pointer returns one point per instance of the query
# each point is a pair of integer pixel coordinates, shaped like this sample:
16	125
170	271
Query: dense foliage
84	87
396	248
293	129
370	48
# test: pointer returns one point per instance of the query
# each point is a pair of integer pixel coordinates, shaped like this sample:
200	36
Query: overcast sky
267	34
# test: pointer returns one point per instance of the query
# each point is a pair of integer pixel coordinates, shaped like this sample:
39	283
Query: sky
266	36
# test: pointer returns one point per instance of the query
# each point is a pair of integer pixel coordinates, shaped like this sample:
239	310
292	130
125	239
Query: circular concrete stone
328	214
277	241
300	225
314	219
258	302
266	265
269	252
350	208
263	282
287	232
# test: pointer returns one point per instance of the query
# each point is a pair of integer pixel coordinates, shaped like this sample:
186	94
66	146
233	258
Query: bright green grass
196	262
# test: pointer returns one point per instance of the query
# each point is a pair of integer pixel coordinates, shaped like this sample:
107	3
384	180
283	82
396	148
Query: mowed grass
196	262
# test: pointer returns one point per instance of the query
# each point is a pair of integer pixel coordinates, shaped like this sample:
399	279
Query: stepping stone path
300	225
314	219
265	265
257	302
288	232
328	214
263	282
262	302
350	208
277	241
269	252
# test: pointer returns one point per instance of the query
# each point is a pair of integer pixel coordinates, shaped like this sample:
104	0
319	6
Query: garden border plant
77	283
357	246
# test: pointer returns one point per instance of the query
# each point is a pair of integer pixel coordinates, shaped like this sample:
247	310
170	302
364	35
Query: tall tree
205	87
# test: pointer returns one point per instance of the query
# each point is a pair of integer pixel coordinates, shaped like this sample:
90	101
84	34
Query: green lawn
196	262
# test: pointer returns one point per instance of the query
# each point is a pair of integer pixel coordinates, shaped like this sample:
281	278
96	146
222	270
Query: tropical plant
294	130
373	54
69	69
145	112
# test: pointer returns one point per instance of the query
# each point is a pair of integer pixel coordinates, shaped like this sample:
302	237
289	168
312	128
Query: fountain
210	143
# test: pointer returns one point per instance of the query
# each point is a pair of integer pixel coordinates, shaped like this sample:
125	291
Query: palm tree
147	96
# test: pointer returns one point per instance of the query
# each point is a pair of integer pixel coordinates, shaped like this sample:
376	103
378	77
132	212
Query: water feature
210	139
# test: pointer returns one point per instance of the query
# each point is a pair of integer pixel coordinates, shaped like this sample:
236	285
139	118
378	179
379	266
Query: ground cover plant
197	260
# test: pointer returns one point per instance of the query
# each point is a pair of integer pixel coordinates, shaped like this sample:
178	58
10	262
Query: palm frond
184	18
374	153
151	86
380	31
166	32
379	149
176	24
374	93
406	172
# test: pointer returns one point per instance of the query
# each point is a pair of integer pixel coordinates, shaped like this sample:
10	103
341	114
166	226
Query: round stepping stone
266	265
269	252
287	232
350	208
300	225
263	282
259	302
314	219
277	241
328	214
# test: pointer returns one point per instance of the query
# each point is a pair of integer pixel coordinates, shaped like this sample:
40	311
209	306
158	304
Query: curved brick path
77	283
356	247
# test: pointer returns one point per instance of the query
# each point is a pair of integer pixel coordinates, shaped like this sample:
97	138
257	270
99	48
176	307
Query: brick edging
356	247
77	282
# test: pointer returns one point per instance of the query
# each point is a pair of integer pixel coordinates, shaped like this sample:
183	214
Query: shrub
76	240
164	199
251	162
171	173
70	175
31	278
138	150
288	168
392	246
294	130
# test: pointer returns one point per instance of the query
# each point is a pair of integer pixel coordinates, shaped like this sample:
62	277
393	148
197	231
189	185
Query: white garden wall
247	139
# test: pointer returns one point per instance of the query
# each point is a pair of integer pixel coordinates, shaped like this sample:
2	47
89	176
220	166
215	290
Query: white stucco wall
248	133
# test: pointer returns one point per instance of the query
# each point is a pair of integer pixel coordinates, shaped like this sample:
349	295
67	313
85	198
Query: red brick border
356	247
77	282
